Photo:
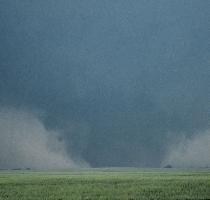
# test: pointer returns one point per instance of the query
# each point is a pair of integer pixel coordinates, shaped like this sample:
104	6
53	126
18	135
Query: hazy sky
120	81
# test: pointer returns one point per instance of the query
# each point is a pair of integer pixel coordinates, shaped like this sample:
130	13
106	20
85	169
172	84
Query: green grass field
105	184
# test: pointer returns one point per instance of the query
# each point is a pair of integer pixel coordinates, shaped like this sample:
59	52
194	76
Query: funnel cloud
25	143
188	153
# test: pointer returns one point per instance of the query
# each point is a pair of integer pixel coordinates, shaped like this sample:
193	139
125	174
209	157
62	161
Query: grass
105	184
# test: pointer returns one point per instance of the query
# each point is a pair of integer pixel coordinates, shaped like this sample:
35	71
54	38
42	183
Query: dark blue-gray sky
120	80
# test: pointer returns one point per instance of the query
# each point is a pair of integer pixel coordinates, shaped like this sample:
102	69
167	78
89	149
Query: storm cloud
119	81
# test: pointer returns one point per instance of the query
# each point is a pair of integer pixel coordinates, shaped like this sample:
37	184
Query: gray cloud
117	79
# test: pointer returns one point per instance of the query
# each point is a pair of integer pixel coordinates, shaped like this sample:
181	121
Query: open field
105	184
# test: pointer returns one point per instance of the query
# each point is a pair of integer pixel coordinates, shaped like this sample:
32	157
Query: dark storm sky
120	80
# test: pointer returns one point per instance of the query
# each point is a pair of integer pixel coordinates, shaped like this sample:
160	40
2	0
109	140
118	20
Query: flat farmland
106	183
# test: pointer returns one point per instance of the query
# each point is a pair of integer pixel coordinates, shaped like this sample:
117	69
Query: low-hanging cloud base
118	82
